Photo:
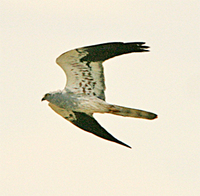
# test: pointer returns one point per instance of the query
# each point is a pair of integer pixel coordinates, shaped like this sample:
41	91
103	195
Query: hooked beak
43	99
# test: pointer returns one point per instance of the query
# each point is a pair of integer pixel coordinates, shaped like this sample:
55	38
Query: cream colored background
44	155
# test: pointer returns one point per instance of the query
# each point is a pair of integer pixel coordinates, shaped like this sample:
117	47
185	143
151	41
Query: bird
84	92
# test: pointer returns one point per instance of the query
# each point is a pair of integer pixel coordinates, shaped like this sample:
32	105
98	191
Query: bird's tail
130	112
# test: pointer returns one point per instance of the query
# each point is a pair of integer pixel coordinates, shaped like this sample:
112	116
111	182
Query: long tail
130	112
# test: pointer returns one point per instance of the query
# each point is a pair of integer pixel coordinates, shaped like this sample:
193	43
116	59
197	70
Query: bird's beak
43	99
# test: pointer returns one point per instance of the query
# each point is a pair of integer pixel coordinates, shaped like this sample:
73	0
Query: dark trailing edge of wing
102	52
88	123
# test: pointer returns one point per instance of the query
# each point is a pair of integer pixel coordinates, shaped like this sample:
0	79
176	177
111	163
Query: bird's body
78	102
84	92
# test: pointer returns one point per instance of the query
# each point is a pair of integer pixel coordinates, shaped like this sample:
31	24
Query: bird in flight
84	95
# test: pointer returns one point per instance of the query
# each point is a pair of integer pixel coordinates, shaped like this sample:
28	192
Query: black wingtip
122	143
128	146
89	124
102	52
139	46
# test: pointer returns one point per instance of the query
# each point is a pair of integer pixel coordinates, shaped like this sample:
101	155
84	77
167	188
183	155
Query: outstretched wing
89	124
83	66
86	122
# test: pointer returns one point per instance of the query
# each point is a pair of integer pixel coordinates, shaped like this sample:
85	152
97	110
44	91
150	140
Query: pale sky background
43	154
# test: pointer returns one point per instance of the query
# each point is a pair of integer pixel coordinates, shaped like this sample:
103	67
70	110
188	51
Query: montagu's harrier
84	95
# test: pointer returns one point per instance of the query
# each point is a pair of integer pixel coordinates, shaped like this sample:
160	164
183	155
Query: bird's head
52	96
47	97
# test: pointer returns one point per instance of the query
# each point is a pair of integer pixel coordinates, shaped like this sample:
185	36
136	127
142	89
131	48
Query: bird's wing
83	66
87	123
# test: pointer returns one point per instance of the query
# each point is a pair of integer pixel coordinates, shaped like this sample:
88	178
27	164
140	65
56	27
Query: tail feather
130	112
